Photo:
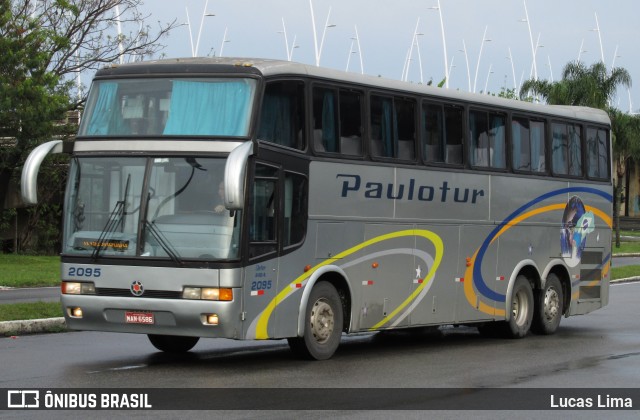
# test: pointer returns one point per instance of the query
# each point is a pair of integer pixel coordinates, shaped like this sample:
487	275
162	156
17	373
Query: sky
563	30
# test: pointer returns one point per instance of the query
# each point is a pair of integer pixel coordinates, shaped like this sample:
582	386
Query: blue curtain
206	108
275	119
474	137
329	139
105	116
498	131
537	147
387	128
517	144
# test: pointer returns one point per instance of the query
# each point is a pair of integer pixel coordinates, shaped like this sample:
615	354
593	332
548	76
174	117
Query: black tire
549	307
521	307
323	324
173	343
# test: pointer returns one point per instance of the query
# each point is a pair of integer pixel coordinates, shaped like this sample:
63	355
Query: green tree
626	149
44	45
595	87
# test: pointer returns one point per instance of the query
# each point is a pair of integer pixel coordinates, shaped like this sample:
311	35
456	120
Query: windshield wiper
115	218
163	242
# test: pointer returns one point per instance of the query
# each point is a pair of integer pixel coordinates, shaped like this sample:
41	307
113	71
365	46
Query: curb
31	326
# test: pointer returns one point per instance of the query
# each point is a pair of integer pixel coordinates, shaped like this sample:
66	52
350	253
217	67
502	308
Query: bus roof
270	68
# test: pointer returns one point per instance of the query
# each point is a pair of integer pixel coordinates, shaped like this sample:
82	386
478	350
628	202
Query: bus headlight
77	288
207	293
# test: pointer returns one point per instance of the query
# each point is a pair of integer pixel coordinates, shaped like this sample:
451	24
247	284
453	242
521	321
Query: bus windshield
169	107
177	213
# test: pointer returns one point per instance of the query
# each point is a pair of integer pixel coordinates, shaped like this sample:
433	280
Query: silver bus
260	199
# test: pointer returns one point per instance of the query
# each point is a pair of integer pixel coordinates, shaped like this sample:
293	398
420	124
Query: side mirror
29	178
235	173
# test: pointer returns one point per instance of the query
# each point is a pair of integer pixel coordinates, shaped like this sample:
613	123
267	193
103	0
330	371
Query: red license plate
138	317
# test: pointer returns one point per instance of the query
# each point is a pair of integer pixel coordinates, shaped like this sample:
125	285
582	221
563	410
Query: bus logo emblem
137	289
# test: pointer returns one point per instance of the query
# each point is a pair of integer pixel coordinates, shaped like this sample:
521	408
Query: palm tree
579	86
595	87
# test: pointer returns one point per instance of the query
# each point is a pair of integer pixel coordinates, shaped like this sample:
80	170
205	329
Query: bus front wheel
323	324
173	343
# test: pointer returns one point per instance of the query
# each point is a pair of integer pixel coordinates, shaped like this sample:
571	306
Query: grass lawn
624	272
32	310
626	247
29	270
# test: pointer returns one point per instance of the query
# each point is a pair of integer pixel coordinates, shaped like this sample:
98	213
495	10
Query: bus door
277	214
261	273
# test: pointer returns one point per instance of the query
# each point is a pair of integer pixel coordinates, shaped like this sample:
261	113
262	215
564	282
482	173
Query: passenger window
442	133
488	139
337	125
282	114
598	152
566	149
528	140
263	211
295	208
392	128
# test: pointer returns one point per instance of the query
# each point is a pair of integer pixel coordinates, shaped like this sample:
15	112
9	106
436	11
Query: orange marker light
307	268
375	265
468	262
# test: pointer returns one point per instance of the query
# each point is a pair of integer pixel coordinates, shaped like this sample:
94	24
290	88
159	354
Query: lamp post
597	29
533	71
224	40
484	39
580	51
444	45
513	71
286	42
315	35
615	55
533	49
405	69
486	83
119	25
466	57
356	40
194	49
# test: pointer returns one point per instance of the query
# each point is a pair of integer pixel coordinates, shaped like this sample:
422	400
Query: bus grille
156	294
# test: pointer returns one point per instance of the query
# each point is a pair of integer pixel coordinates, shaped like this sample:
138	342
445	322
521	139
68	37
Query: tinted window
598	153
392	127
528	140
487	135
282	114
566	149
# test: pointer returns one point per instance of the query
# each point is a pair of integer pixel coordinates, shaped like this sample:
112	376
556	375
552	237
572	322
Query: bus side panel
474	300
439	305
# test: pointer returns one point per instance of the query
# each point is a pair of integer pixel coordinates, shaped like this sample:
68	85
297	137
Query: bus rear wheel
323	324
548	310
173	343
521	307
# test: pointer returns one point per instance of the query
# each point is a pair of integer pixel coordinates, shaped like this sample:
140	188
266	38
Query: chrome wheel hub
322	320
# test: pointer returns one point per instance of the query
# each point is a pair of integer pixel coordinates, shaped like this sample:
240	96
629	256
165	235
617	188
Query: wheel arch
338	279
529	269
